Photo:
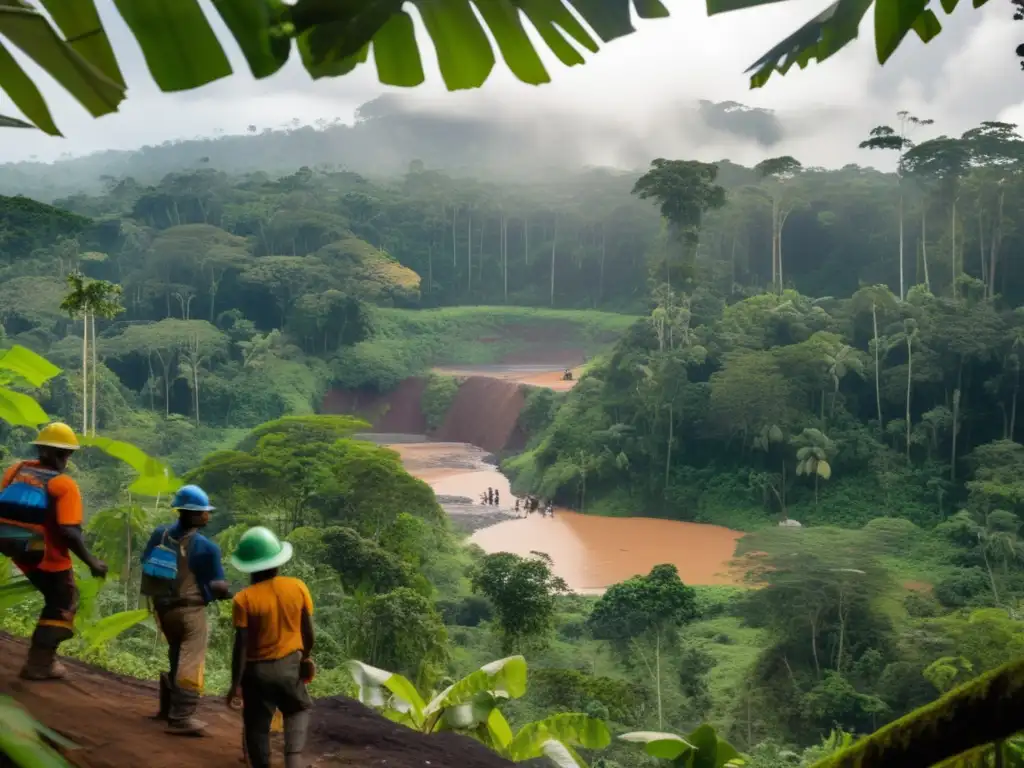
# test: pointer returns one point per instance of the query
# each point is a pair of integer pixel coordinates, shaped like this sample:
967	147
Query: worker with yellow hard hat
40	526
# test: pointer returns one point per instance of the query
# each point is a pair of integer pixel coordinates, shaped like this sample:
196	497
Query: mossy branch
990	708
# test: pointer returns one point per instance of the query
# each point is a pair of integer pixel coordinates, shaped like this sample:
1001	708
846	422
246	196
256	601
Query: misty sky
634	87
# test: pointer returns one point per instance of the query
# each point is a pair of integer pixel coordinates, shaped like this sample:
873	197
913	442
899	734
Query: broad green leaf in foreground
31	32
380	688
504	678
20	410
110	627
21	739
12	122
154	477
23	362
666	746
836	26
556	736
181	49
14	592
80	25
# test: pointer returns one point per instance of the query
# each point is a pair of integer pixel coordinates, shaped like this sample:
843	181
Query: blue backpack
160	568
25	508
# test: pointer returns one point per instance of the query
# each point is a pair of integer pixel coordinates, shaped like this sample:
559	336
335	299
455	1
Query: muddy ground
108	717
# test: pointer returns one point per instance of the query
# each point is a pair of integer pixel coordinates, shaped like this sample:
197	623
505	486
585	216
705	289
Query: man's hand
307	670
98	569
234	697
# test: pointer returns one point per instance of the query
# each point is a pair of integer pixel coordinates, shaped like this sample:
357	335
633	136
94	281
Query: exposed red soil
485	413
107	716
399	411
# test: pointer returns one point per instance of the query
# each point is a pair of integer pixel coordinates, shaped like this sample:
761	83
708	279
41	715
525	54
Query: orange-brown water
589	552
592	553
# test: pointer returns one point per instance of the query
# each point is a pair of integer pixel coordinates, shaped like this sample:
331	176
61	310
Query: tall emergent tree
941	163
885	137
684	190
778	171
85	300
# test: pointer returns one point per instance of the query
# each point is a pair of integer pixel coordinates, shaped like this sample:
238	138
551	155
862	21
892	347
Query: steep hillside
108	717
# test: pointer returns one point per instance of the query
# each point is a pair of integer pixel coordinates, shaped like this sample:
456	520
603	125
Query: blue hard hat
193	498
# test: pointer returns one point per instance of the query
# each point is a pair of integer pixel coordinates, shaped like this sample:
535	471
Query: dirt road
107	715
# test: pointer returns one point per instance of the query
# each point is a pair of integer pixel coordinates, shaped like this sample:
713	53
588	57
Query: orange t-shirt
68	505
271	611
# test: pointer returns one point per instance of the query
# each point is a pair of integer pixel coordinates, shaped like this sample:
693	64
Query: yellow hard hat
57	435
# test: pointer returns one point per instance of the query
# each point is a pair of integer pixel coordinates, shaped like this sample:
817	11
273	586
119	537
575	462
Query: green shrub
438	396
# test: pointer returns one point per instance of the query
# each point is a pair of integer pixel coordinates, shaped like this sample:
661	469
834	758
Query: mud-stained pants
60	604
186	633
269	686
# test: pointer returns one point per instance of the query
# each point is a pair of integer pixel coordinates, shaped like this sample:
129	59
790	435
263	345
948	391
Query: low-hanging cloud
638	98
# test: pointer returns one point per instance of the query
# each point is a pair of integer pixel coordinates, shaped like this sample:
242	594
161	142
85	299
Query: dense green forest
773	363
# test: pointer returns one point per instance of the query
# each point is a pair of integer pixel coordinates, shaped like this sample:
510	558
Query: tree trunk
981	252
554	243
878	389
504	253
782	223
924	246
668	449
526	240
952	248
657	675
775	252
95	368
956	418
85	373
991	576
902	291
469	253
1013	405
995	245
814	645
910	369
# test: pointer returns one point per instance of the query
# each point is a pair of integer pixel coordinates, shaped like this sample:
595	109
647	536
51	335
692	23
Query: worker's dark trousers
60	604
186	633
269	686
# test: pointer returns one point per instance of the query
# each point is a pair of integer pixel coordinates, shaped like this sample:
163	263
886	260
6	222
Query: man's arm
238	662
240	618
213	571
76	543
70	517
308	634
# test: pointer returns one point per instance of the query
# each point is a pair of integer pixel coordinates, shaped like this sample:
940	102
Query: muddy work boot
190	726
42	664
165	699
182	720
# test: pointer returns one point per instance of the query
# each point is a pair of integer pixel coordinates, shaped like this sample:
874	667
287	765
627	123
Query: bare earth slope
107	715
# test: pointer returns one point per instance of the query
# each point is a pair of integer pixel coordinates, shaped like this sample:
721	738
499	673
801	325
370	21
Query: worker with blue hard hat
181	574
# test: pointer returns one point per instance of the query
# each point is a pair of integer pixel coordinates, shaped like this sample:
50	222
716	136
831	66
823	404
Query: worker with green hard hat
271	663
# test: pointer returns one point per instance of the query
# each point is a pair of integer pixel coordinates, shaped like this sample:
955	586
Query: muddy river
589	552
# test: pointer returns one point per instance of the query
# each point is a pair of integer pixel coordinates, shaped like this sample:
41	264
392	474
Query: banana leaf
155	478
15	592
111	627
22	739
556	737
26	364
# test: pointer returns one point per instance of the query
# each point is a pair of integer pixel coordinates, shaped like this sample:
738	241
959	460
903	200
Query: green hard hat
260	550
